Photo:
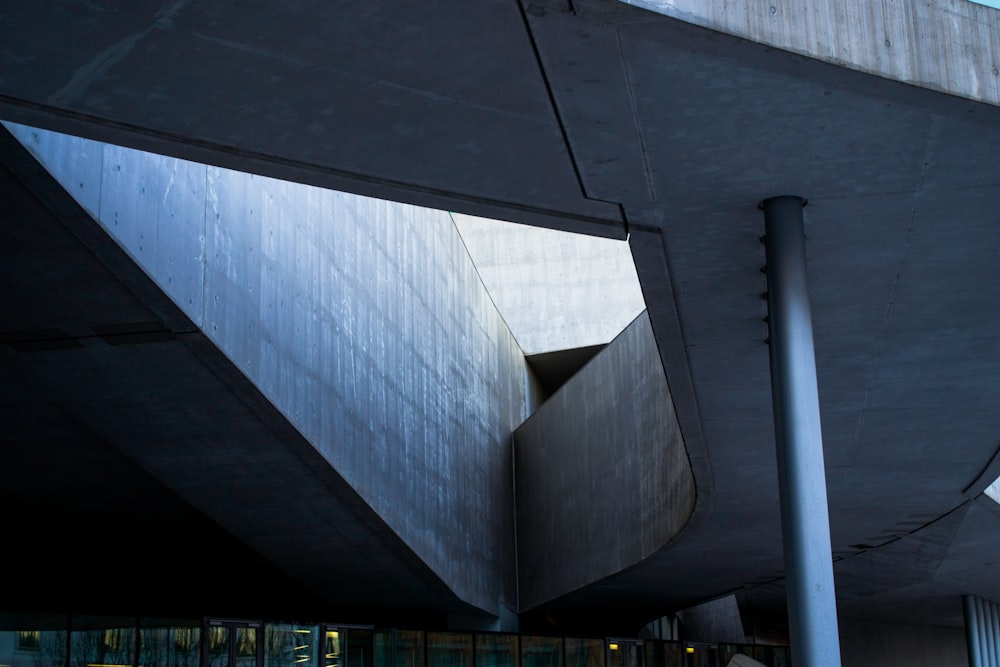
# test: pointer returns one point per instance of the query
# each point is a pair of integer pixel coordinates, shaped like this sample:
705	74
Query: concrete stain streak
101	64
367	79
647	172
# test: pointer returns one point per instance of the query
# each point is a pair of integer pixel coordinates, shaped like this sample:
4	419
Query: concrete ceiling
602	118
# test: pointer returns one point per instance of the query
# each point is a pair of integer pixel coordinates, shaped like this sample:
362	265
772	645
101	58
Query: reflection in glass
288	645
332	654
449	649
664	654
169	643
409	648
496	650
246	647
102	642
33	641
584	652
541	651
359	647
701	656
616	655
217	648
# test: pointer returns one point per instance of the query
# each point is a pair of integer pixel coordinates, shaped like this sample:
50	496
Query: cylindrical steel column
805	522
972	631
984	632
990	618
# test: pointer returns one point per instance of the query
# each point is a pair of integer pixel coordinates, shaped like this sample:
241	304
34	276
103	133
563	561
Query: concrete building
286	394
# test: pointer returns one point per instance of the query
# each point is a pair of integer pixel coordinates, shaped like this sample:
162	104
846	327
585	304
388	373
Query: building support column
805	522
982	631
972	639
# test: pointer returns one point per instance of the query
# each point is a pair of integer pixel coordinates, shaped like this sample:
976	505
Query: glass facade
449	649
88	641
584	652
102	642
541	651
290	645
34	640
169	643
496	650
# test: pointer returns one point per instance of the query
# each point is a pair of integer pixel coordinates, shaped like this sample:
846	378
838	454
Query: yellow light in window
613	646
690	649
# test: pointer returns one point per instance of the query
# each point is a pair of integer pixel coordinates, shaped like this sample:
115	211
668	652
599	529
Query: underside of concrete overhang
601	118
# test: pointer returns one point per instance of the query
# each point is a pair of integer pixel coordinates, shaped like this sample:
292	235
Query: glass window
664	654
246	646
217	646
406	647
496	650
333	654
359	647
169	643
584	652
31	640
541	651
102	642
449	649
289	645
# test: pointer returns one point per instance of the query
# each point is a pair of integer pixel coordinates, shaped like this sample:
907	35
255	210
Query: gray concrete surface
556	291
363	321
160	480
601	485
948	45
867	644
599	117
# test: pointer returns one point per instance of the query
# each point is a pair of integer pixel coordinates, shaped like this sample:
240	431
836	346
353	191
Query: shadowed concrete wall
363	321
555	290
863	644
947	45
603	479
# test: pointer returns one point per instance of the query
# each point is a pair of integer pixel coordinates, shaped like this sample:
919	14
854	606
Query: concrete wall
947	45
603	479
889	645
363	321
555	290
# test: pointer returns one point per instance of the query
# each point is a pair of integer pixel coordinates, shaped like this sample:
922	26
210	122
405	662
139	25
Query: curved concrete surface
603	479
604	118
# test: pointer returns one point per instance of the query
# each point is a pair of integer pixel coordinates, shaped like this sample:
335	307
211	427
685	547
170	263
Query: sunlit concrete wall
363	321
601	484
948	45
555	290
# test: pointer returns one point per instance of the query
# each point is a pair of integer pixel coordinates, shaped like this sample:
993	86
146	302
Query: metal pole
972	631
805	522
984	632
991	634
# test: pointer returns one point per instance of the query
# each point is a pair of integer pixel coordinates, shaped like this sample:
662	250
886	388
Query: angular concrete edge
369	308
951	46
601	485
236	449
